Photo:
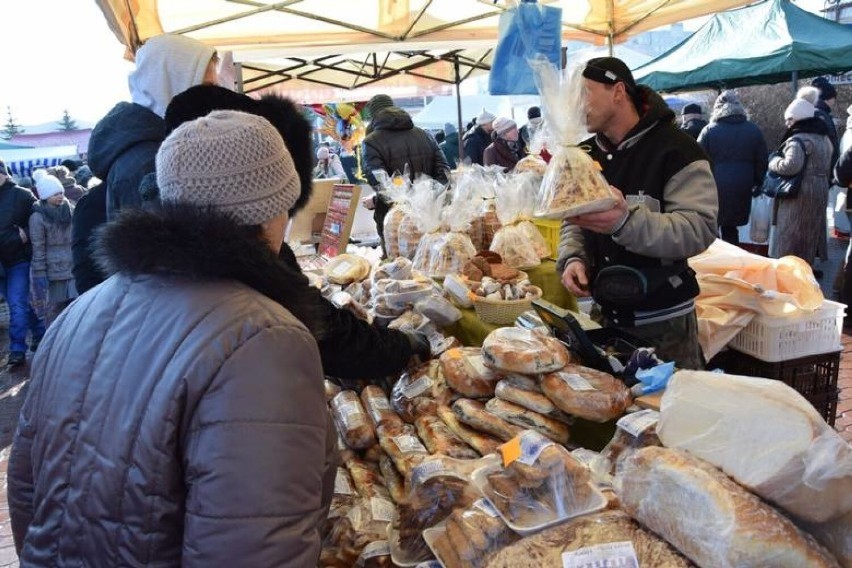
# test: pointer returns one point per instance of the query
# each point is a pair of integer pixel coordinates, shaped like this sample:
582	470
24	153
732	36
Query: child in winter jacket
52	282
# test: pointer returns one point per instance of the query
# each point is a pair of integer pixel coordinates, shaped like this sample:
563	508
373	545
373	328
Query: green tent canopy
760	44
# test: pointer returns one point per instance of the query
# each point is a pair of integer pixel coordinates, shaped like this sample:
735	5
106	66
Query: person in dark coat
176	414
450	145
528	131
738	155
505	150
478	138
73	191
350	348
393	142
692	120
16	252
824	103
124	143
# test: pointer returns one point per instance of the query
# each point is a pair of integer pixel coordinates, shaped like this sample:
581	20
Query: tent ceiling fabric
763	43
296	38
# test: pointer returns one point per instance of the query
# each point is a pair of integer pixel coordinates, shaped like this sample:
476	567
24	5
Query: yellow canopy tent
357	42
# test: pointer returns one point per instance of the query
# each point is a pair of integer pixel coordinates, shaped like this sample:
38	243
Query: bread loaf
482	443
440	440
587	393
547	547
473	414
402	445
409	235
790	456
527	393
466	373
516	350
351	421
836	536
377	406
393	480
709	518
520	416
393	219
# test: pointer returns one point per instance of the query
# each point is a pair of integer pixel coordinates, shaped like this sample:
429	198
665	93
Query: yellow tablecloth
472	332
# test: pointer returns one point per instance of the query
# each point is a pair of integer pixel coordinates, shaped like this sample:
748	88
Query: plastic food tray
430	535
596	502
399	557
804	333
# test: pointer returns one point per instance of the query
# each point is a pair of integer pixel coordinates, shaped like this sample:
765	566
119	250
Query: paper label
429	469
612	555
351	414
408	444
576	382
486	507
377	548
382	509
342	268
341	483
638	423
525	448
380	403
418	387
585	456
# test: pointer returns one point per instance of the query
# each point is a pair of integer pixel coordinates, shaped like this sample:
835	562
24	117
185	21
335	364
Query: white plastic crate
781	338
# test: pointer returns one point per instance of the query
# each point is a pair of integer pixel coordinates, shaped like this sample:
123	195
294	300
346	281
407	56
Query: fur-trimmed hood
202	244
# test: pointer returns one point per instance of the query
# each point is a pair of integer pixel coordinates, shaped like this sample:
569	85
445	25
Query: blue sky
59	54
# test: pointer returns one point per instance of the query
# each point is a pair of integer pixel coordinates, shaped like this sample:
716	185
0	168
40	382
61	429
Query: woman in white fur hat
800	221
51	278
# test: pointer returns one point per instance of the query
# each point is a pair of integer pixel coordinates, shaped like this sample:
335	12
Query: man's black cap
610	70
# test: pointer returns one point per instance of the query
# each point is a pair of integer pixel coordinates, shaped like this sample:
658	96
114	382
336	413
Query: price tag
341	483
382	509
377	548
576	382
408	444
612	555
418	387
585	456
511	450
638	423
351	414
342	268
525	448
380	403
486	507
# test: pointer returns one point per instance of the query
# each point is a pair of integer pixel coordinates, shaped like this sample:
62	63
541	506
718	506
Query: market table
472	331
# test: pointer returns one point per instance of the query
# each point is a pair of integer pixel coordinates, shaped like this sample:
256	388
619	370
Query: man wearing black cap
827	96
632	258
528	130
392	143
693	120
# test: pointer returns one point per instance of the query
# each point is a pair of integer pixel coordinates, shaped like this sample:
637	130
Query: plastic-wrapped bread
836	536
482	443
527	393
352	421
439	439
439	254
709	518
587	393
402	445
377	406
516	350
520	416
346	268
588	535
790	456
471	535
419	391
409	235
633	432
466	373
473	414
377	554
391	230
531	163
393	480
331	390
490	222
367	479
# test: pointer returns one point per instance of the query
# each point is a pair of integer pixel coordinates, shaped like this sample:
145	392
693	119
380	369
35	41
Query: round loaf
516	350
466	374
587	393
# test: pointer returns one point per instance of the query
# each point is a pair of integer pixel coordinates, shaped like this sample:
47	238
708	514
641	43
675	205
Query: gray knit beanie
378	103
233	161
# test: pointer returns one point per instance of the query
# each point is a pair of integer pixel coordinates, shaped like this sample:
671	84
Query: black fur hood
202	244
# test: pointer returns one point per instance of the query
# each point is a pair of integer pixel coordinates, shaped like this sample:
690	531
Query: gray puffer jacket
176	413
50	235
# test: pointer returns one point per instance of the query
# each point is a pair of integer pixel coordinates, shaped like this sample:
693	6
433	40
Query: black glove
419	345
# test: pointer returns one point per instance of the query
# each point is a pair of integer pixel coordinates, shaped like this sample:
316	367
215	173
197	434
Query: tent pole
238	71
794	82
459	106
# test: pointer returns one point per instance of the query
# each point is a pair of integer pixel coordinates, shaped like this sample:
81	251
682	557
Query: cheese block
790	456
580	535
709	518
466	373
587	393
516	350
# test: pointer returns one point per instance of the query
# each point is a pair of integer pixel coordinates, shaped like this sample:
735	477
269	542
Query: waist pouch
621	286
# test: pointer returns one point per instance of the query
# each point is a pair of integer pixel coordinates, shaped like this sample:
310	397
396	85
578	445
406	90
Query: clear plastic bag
633	432
761	219
352	421
573	184
446	246
537	483
393	190
469	536
439	254
518	241
516	350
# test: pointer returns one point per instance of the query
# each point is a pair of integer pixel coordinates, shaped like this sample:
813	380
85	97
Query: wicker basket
503	312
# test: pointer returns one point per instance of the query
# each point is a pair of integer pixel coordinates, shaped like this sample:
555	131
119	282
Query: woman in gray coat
800	221
176	413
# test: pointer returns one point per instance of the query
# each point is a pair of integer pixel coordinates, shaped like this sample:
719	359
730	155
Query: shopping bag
784	187
761	218
524	31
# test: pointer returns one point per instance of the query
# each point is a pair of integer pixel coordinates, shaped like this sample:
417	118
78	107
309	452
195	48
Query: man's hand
605	222
574	278
368	202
